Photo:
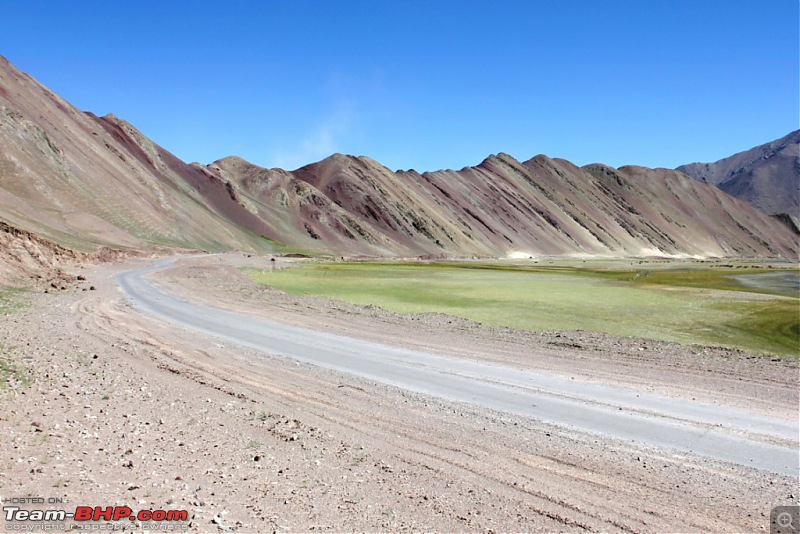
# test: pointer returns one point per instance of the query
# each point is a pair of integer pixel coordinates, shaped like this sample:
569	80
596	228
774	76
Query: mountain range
767	176
73	181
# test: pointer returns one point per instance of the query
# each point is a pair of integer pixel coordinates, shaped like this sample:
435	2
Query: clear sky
424	84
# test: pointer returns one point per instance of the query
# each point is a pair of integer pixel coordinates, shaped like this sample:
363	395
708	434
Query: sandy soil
111	407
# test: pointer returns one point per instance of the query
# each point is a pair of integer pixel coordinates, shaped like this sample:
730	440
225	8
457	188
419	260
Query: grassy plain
687	303
11	300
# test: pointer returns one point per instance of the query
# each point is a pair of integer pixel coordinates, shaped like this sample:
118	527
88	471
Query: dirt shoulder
108	406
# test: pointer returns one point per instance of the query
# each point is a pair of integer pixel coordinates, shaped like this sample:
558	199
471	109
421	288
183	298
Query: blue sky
424	84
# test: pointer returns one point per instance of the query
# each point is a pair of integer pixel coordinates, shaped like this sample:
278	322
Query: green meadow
690	303
11	299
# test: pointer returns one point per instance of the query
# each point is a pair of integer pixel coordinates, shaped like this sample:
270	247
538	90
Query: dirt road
112	405
690	427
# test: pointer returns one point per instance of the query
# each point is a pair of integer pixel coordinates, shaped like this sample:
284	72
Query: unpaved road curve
723	434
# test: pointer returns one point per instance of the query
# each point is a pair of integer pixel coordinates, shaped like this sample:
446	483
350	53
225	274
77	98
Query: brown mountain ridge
86	182
766	177
502	207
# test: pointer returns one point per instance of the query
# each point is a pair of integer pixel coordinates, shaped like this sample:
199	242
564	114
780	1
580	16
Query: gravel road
736	436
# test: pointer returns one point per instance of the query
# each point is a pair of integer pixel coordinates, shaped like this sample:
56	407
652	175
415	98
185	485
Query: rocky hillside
767	176
503	207
84	182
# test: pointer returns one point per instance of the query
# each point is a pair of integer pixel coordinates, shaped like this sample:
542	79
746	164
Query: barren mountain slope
501	207
673	211
767	176
84	181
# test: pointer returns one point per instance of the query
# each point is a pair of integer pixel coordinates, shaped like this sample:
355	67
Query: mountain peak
501	158
766	176
231	161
